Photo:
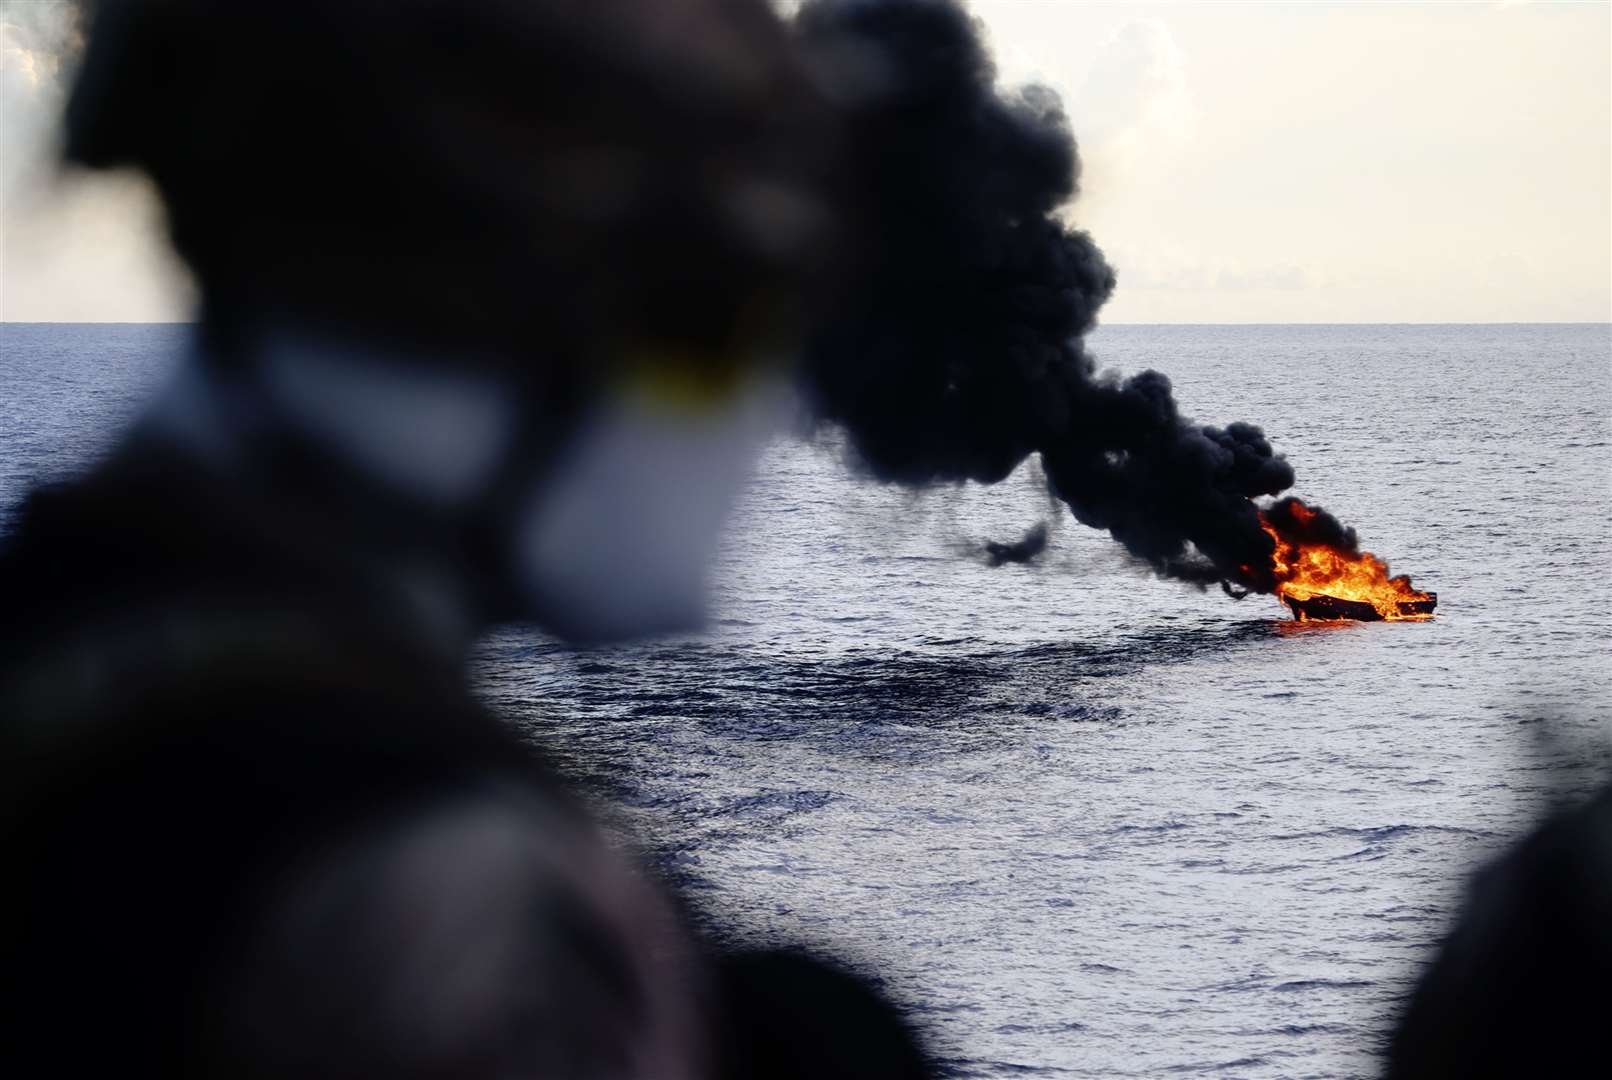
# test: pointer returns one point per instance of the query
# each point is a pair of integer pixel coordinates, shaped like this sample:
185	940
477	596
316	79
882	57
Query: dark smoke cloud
1023	550
961	353
1306	524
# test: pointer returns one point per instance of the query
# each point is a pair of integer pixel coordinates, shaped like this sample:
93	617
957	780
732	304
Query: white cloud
1170	267
1136	91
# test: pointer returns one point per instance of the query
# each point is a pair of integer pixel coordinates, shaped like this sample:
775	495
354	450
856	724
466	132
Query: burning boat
1318	580
1321	606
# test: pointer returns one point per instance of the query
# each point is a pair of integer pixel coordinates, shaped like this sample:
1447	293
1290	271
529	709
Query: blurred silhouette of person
492	294
1523	985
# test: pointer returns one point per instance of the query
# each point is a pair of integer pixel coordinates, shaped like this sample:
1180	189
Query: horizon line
1099	326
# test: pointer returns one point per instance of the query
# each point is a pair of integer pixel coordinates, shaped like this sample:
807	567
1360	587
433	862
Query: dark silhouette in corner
1523	985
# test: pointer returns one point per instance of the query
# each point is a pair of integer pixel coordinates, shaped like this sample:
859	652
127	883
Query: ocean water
1080	821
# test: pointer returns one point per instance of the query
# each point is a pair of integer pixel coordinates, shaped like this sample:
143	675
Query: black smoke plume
1306	524
1025	549
961	353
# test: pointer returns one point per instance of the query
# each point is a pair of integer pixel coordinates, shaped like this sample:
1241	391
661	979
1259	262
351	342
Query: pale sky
1283	162
1342	162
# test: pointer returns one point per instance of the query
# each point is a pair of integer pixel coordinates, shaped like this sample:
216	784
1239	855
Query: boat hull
1331	607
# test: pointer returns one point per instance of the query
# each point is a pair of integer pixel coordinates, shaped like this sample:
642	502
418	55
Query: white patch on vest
619	540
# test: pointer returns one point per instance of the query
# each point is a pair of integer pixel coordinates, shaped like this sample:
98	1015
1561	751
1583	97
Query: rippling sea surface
1083	822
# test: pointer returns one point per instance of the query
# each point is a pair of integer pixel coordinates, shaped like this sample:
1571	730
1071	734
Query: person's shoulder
146	606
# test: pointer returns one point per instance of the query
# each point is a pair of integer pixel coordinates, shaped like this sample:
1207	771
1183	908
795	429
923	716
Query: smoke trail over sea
963	352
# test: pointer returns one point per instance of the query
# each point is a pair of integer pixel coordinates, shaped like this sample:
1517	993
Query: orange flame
1305	571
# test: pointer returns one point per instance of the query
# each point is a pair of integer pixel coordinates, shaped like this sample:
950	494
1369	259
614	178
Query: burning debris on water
1023	550
1319	571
